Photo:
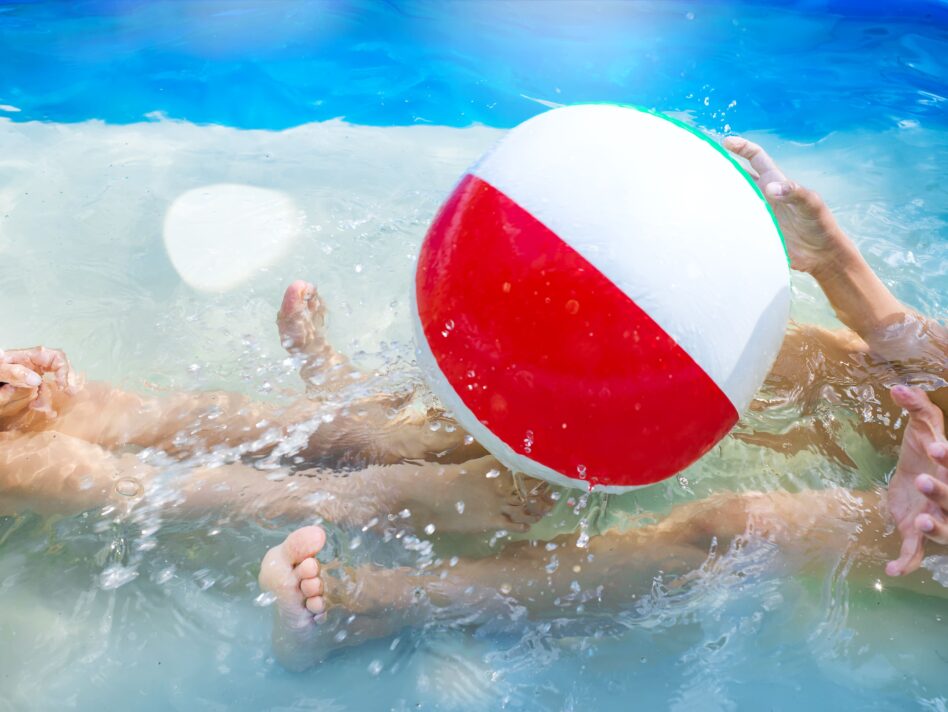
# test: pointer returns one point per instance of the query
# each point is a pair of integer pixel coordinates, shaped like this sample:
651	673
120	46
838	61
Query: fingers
43	403
514	519
932	528
920	409
914	400
938	451
19	376
759	159
43	360
910	557
936	492
539	500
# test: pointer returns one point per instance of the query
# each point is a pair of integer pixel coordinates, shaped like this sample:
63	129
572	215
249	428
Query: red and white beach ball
601	296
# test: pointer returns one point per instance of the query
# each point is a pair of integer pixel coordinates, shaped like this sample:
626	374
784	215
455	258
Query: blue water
110	112
801	68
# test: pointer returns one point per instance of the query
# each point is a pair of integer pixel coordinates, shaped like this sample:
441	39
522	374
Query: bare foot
291	573
309	622
301	321
808	226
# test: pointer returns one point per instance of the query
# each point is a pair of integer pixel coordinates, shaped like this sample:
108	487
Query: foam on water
102	607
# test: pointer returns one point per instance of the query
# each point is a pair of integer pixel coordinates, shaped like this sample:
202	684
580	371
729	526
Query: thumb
910	557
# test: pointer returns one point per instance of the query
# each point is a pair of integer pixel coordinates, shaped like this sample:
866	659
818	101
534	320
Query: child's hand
22	386
918	491
809	228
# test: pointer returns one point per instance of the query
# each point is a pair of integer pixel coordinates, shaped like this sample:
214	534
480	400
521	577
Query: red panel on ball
551	356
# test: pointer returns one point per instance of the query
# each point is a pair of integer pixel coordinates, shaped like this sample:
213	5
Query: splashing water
113	601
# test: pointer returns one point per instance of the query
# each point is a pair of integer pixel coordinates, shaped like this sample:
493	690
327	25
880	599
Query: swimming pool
361	116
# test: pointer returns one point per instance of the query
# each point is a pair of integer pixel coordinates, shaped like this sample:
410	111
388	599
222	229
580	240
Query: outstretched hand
22	384
807	224
918	491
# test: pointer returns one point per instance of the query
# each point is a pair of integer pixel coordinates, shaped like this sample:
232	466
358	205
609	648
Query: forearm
892	330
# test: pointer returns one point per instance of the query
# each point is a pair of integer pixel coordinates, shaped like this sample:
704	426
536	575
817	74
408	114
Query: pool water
359	117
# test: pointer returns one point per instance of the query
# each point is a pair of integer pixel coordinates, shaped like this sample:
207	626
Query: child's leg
379	429
556	577
369	430
50	472
53	473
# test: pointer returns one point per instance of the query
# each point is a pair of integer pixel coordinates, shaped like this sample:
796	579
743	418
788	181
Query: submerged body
66	451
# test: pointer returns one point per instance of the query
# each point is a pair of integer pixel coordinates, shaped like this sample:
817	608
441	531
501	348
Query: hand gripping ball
601	296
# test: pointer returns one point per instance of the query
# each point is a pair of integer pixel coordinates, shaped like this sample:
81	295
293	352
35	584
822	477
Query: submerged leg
378	429
529	579
301	321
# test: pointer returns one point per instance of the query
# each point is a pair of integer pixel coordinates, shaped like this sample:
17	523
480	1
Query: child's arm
818	245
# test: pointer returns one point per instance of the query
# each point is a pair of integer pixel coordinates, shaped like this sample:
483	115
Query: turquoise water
115	111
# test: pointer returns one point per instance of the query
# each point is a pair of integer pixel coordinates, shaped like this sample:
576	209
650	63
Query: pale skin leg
54	473
392	445
370	430
311	607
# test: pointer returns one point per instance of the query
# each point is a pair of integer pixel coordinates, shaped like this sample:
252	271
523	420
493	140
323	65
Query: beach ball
600	297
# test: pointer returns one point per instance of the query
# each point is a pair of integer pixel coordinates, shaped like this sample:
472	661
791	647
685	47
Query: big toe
277	569
296	297
304	544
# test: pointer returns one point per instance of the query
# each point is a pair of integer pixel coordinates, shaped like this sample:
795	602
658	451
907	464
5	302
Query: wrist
838	258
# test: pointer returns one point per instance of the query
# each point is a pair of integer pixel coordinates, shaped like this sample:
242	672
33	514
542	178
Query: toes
312	587
304	544
295	296
316	605
308	568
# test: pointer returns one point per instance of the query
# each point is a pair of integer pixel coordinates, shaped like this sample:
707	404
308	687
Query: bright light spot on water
9	108
218	236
